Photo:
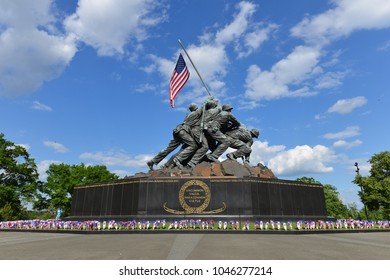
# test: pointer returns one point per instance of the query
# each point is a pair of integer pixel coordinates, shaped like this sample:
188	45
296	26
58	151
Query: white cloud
243	34
213	65
297	65
345	106
238	26
253	40
385	46
330	80
302	160
347	145
41	107
146	88
109	25
247	104
301	65
350	131
346	17
162	65
117	158
274	84
58	147
31	49
262	152
299	160
22	15
34	50
246	35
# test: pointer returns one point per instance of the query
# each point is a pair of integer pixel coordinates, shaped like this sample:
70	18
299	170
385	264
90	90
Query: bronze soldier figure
210	112
191	122
181	135
224	121
241	140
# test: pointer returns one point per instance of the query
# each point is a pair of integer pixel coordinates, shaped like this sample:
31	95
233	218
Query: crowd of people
260	225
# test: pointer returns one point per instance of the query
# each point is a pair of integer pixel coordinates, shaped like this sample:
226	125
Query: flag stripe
179	81
178	85
179	78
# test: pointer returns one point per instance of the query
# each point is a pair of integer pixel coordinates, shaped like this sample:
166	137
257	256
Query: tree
18	179
334	205
353	211
309	180
375	192
57	192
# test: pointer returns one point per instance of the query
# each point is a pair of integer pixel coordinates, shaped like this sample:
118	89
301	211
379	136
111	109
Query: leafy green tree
309	180
18	179
56	192
375	192
334	204
354	212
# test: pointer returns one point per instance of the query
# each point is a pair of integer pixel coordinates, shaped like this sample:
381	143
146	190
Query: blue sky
87	81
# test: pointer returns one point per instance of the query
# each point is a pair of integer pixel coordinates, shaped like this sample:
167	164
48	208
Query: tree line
20	186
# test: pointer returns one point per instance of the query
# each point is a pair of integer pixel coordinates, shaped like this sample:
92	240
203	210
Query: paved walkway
45	246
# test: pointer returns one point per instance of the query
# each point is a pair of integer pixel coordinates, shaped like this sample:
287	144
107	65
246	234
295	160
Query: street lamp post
361	188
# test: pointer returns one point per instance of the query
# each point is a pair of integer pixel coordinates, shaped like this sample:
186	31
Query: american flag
179	78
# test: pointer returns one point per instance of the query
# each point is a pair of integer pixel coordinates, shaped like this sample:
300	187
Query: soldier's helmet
227	107
255	132
211	104
193	107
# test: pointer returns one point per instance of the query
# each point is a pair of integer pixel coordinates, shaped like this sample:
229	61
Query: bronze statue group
209	128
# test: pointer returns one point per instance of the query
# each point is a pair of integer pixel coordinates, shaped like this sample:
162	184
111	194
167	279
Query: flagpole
197	72
205	86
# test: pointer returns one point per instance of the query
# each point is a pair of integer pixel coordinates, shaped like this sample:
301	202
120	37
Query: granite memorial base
219	198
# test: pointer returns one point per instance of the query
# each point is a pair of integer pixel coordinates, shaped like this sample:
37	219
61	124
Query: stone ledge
210	169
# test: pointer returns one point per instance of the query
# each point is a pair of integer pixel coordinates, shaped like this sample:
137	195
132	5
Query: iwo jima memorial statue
193	183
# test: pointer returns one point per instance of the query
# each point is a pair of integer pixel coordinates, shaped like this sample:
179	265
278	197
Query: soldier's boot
191	165
177	162
212	158
231	156
168	164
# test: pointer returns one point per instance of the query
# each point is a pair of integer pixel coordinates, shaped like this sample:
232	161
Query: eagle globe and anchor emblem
194	198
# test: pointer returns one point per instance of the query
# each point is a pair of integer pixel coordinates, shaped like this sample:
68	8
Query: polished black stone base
198	197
